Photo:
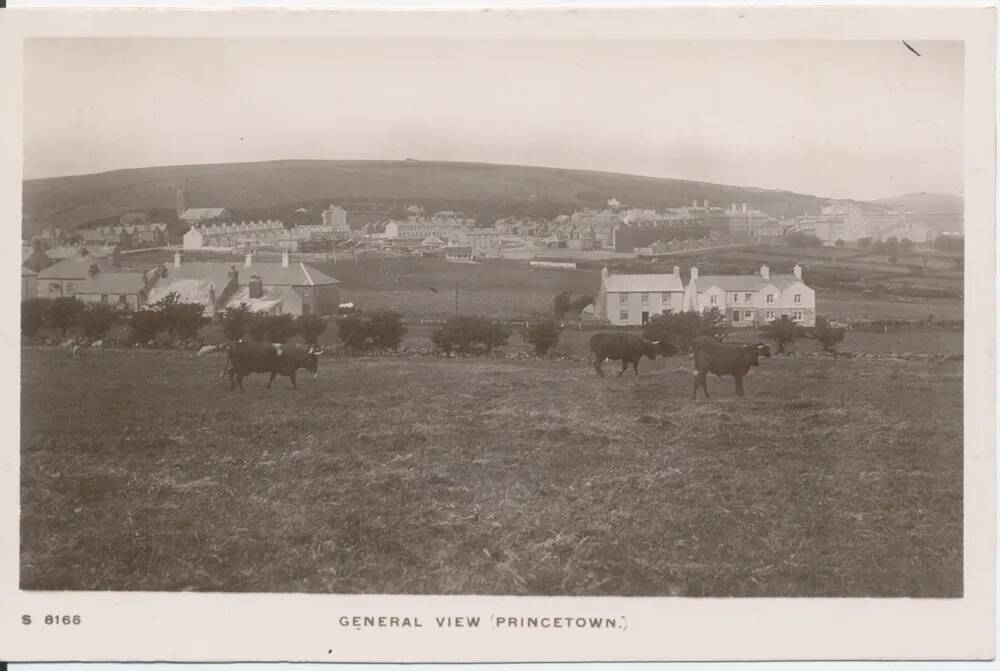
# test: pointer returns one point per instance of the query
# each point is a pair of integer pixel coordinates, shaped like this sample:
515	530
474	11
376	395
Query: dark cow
721	359
623	347
243	358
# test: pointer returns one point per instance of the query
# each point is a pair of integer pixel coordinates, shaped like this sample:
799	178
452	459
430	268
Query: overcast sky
840	119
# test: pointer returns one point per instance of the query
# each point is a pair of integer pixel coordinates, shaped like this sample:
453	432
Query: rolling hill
472	187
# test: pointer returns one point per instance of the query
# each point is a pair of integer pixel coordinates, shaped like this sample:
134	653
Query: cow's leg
624	367
700	380
232	379
739	384
635	367
239	380
291	376
597	365
273	375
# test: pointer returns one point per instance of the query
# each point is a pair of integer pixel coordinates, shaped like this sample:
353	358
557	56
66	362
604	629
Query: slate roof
79	268
743	282
270	299
202	213
111	283
643	283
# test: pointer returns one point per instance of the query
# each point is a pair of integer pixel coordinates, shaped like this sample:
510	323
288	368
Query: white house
753	300
631	300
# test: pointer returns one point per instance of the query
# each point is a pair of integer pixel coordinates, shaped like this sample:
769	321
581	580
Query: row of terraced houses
745	300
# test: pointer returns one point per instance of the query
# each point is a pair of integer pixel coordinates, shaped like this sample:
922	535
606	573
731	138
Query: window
748	315
798	315
736	298
770	314
55	287
798	298
69	287
104	299
665	300
770	298
123	299
748	297
623	299
714	300
306	292
623	315
644	298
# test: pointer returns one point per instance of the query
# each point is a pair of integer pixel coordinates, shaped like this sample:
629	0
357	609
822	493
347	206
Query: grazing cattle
724	359
623	347
243	358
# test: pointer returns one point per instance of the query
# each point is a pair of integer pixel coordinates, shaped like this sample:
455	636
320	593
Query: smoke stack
284	259
765	272
177	259
248	261
797	269
694	272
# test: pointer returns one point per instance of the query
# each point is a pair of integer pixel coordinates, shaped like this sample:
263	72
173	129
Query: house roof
27	272
743	282
112	283
202	213
79	268
629	283
458	250
269	300
271	274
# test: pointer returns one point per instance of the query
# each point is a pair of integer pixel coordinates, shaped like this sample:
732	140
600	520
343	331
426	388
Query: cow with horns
721	358
243	358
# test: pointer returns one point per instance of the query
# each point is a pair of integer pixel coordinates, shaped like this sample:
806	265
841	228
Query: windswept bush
829	337
33	311
272	328
676	331
783	331
470	334
169	314
63	314
310	327
96	320
236	322
383	329
543	336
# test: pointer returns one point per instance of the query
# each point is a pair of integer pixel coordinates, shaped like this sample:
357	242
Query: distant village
88	262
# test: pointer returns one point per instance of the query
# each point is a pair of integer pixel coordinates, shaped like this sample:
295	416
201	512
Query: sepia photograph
580	316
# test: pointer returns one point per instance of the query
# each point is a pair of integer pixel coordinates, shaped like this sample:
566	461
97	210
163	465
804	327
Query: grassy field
428	475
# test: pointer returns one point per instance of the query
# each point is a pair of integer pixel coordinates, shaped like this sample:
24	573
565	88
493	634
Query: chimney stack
765	272
677	271
248	261
694	203
706	203
177	259
694	272
284	259
744	208
797	269
256	286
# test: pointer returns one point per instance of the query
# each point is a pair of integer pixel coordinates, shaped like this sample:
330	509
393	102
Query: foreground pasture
142	471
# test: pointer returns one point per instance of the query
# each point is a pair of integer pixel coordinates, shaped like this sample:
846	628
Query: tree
236	322
63	314
352	332
33	312
96	320
906	245
949	243
310	327
864	243
543	336
828	336
839	242
577	304
803	240
783	331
